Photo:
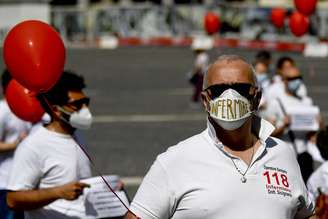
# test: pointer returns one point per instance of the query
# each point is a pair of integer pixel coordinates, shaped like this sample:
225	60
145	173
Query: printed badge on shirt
276	181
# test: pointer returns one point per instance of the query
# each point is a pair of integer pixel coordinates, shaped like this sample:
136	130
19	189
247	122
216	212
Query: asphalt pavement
140	98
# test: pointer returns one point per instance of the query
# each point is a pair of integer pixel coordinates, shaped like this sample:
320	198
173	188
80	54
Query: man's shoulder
34	140
279	147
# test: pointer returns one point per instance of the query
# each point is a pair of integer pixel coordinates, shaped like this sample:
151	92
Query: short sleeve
305	205
26	170
153	199
84	170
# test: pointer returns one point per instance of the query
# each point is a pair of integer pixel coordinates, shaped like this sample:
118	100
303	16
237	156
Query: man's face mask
294	84
262	78
81	118
230	105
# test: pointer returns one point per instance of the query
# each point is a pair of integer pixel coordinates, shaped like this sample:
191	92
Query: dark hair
322	143
58	94
284	59
5	79
263	56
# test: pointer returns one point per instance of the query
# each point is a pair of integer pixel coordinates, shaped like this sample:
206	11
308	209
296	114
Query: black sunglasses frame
244	89
78	104
294	78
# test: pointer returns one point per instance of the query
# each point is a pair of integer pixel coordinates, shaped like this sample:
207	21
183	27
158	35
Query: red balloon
305	7
23	103
298	23
211	23
34	54
278	17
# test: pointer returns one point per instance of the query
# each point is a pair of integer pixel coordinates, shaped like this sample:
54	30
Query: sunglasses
244	89
78	104
294	78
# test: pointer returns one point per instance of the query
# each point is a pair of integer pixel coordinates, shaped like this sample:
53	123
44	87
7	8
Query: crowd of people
263	154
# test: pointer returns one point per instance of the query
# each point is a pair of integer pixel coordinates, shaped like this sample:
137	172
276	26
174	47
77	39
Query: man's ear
205	99
256	99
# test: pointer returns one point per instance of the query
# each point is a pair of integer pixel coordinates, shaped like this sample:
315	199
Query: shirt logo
276	181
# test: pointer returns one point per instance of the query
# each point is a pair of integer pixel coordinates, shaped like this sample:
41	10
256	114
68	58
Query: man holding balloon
48	164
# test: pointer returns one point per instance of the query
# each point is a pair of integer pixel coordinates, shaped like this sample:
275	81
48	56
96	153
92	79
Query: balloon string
94	166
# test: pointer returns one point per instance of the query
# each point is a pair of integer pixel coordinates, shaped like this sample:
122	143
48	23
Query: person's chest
215	190
59	164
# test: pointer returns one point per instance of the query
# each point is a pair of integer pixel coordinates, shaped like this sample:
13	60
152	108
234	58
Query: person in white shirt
319	178
12	131
263	80
277	114
47	164
277	87
318	182
233	169
200	65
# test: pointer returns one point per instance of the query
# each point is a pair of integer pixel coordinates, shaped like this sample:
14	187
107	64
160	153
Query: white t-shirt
47	159
318	180
11	129
275	113
277	88
202	61
197	179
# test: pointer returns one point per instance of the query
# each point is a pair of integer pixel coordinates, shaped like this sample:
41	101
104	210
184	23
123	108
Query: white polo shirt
197	179
11	129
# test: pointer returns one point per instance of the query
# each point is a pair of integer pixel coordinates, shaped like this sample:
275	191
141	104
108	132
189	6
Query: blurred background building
87	22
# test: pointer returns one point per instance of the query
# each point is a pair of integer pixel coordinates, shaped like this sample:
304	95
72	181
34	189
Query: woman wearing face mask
49	163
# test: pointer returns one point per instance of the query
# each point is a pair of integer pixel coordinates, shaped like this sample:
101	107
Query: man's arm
5	147
33	199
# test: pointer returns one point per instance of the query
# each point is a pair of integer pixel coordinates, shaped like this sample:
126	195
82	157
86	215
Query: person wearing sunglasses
231	170
48	164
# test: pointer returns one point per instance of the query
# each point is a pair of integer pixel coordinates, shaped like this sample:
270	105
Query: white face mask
230	110
81	119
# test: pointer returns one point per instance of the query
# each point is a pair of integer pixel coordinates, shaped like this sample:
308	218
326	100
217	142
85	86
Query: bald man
231	170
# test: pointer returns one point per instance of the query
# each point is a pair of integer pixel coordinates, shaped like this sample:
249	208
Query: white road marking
132	180
150	118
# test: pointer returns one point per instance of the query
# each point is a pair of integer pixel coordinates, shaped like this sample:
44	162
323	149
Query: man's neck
240	139
60	127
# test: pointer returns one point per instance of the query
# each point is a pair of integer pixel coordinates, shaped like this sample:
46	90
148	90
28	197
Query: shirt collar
262	128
